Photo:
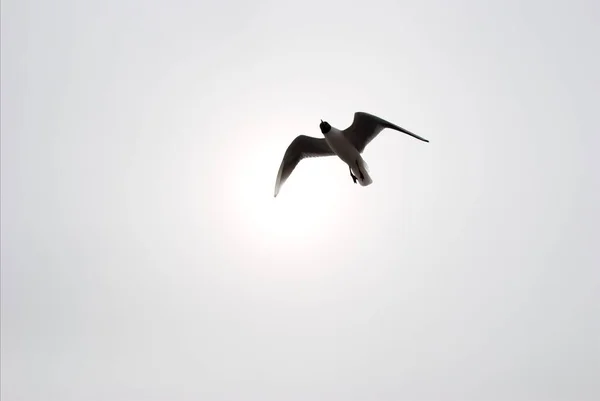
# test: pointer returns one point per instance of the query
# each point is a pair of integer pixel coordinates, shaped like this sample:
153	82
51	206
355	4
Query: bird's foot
352	175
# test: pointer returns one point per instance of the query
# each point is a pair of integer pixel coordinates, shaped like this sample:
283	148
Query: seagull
347	144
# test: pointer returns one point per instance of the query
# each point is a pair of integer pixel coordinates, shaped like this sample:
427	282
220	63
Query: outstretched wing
366	126
301	147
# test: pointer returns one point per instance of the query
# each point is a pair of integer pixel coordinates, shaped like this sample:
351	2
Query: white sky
145	258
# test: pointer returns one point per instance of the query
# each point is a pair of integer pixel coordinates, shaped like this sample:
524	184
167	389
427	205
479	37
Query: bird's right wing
301	147
366	126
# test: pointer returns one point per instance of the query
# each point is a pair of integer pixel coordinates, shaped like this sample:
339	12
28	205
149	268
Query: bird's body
347	144
341	146
344	149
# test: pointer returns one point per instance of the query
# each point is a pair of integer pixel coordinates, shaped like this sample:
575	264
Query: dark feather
365	127
301	147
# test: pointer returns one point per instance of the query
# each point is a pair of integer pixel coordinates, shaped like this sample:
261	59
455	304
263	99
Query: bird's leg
362	176
352	175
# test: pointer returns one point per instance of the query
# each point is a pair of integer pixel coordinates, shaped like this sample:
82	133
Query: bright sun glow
308	208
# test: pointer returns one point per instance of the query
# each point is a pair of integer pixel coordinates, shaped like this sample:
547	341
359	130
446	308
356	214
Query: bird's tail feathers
364	168
367	180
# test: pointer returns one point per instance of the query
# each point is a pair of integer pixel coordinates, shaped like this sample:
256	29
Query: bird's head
325	127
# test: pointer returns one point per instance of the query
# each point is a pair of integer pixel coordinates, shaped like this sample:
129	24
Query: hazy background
145	258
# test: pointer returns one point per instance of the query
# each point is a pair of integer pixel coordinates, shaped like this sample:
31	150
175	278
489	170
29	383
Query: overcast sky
144	256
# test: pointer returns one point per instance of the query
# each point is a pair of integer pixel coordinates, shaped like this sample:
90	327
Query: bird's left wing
301	147
365	127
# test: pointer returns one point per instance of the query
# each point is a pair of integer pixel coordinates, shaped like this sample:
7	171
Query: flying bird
347	144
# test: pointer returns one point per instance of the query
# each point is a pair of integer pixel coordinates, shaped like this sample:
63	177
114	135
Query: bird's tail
365	179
